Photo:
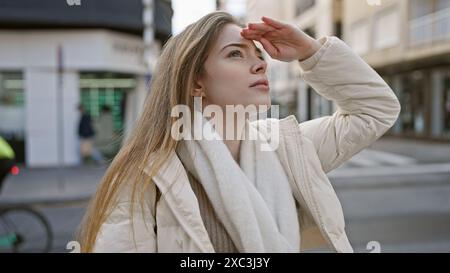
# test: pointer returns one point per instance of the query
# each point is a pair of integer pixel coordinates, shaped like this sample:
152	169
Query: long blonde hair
179	65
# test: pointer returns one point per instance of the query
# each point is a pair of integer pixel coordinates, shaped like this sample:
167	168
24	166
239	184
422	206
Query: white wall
71	99
319	18
387	28
83	50
40	102
359	37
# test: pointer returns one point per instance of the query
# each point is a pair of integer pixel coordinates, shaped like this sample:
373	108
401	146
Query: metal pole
60	119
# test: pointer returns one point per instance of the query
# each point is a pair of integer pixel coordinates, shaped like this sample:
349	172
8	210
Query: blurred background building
317	18
56	54
408	43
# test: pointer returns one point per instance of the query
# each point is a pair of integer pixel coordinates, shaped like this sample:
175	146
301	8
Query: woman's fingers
263	33
250	31
273	51
261	27
250	35
276	24
266	34
255	38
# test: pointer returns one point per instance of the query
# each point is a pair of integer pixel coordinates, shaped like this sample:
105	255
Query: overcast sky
187	12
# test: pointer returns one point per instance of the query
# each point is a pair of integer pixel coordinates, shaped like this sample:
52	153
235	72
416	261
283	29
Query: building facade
57	54
408	43
318	18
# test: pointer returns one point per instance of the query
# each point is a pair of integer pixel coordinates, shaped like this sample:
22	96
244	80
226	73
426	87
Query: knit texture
220	239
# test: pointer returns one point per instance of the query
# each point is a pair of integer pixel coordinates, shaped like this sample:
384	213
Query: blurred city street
62	201
401	200
395	193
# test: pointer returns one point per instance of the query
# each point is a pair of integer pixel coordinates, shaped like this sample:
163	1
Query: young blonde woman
161	194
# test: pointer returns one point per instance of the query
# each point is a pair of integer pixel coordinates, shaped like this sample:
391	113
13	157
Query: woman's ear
199	90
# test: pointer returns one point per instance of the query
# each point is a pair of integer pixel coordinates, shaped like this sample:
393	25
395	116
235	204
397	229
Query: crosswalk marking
391	170
370	158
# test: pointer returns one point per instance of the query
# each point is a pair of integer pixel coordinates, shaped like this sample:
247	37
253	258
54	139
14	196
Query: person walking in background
104	138
86	134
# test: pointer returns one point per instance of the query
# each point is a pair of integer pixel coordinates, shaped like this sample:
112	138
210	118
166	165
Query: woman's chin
264	104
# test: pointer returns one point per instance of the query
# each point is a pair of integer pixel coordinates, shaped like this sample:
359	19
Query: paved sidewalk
51	185
392	162
420	150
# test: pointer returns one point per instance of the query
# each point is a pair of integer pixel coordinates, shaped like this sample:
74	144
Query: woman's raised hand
282	41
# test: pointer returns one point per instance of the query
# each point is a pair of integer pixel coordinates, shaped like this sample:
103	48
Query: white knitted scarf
253	200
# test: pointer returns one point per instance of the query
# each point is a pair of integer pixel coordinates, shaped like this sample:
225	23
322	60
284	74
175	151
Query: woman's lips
264	87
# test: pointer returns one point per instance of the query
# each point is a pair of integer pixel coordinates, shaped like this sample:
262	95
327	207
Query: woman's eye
232	54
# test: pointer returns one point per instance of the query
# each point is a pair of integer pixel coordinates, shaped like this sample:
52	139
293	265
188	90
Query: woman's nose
261	66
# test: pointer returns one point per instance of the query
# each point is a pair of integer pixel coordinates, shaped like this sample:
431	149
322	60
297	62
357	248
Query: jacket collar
173	182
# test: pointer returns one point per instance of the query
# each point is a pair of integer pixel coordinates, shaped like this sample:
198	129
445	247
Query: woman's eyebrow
242	46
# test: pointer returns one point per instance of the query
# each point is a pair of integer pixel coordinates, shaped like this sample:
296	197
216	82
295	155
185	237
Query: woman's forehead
231	34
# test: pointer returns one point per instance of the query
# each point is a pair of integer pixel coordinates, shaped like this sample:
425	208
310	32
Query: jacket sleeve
119	234
366	105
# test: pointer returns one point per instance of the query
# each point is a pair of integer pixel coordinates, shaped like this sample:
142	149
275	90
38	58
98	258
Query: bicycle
22	227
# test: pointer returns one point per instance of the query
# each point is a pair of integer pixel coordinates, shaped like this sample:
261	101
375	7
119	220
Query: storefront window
412	99
318	105
446	106
100	90
392	81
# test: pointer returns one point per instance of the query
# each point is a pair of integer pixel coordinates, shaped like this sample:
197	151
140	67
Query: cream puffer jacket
367	108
